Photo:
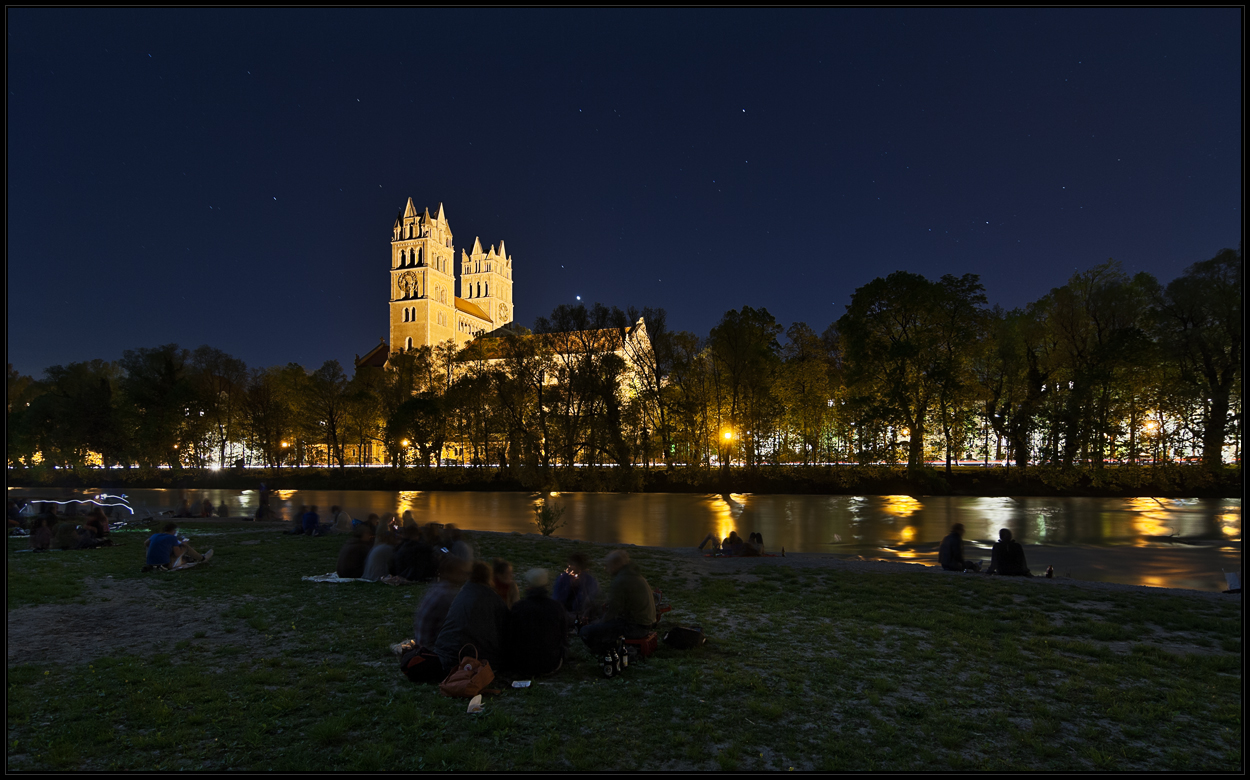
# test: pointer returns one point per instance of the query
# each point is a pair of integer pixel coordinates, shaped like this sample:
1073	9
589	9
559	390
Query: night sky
230	177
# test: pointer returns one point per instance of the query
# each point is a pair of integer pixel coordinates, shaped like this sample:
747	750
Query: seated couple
733	546
1006	558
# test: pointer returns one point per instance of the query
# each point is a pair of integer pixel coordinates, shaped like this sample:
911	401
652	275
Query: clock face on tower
407	283
503	312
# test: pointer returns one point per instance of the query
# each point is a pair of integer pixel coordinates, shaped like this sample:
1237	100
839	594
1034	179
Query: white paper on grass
475	704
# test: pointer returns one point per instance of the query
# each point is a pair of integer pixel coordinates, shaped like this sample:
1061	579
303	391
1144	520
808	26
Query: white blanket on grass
332	577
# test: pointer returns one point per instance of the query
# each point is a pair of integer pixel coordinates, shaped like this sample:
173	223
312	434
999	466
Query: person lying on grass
167	551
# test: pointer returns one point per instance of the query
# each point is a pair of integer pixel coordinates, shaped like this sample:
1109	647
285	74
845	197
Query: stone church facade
424	307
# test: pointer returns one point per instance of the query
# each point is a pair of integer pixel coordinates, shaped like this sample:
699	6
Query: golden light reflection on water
722	514
407	500
1230	525
906	536
1149	519
902	506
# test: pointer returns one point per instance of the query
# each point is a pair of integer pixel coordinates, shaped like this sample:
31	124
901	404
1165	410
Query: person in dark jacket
631	605
951	553
477	617
353	554
577	590
537	634
1007	557
414	560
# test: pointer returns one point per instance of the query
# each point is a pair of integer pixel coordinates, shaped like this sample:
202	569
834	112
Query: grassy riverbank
811	665
1165	480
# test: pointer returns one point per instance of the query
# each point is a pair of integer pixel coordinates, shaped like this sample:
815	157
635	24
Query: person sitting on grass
184	509
64	534
427	621
713	540
431	614
951	553
355	552
577	590
41	534
297	522
222	509
380	562
537	636
14	513
206	507
1007	557
98	524
454	541
166	551
477	617
504	582
310	523
631	606
340	521
414	560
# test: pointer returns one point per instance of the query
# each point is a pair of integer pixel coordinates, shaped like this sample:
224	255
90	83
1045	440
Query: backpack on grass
469	678
684	637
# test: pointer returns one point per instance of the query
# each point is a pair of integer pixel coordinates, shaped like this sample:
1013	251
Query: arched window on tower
409	342
488	289
417	252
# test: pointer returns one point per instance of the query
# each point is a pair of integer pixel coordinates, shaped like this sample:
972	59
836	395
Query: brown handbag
469	678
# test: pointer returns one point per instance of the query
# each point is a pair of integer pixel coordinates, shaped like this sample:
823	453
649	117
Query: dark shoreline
1169	480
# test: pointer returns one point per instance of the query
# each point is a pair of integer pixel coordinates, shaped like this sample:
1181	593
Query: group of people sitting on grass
306	522
1006	557
399	551
50	530
732	546
477	604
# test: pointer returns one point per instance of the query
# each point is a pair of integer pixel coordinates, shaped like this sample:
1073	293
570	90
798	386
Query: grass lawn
238	664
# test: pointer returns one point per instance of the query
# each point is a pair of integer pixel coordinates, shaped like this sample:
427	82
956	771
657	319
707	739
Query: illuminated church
424	307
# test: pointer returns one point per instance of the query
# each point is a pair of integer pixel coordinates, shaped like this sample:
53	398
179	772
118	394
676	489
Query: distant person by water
951	552
1007	557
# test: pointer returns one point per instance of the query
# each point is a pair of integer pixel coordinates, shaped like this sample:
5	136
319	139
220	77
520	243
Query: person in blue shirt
312	521
165	548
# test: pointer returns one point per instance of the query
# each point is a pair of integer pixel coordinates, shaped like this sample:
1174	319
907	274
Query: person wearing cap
631	605
537	632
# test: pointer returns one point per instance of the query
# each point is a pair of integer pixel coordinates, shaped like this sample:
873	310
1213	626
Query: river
1142	541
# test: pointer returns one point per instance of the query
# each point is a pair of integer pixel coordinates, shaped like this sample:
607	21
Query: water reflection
891	527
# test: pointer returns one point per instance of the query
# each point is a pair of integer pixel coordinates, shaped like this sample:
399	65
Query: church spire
411	210
442	217
477	247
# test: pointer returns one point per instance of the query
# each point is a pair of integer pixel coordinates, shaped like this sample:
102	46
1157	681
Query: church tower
486	280
423	282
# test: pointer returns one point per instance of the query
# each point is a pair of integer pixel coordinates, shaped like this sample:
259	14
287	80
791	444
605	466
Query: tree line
1107	368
